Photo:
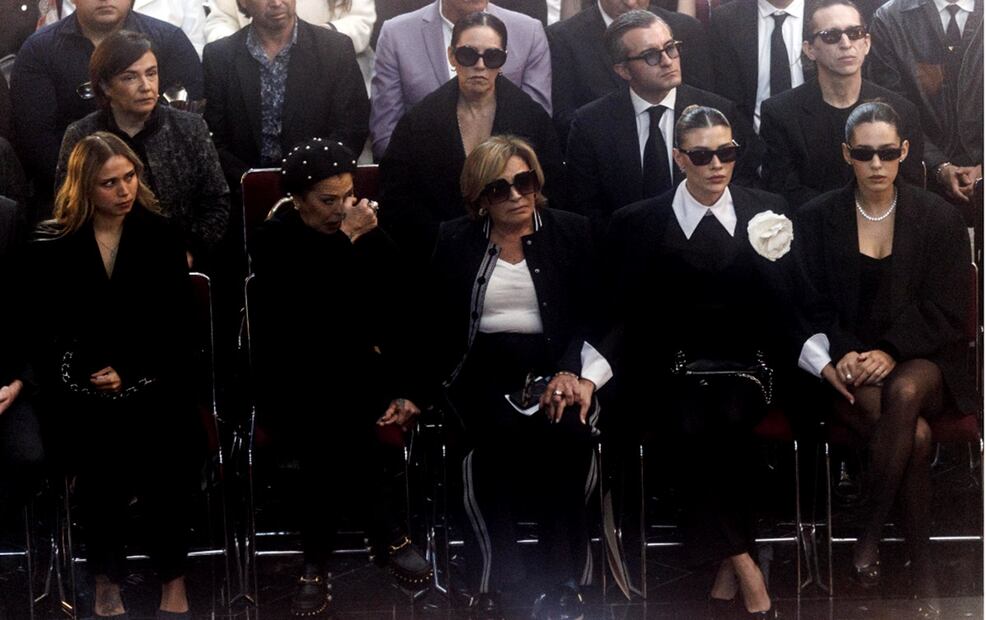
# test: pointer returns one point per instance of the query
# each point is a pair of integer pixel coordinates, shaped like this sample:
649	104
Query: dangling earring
482	211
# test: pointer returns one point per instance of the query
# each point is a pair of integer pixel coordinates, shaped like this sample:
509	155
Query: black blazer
604	170
641	261
324	97
419	173
582	71
733	32
929	280
790	128
562	263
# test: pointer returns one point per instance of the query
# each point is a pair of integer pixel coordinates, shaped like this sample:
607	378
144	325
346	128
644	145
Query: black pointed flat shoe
407	565
313	594
867	576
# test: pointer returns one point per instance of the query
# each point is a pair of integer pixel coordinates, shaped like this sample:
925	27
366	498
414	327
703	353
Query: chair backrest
205	363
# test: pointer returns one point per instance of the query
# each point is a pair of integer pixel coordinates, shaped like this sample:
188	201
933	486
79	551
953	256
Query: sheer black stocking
890	418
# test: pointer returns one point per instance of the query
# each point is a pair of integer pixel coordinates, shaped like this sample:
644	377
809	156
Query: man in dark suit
756	51
931	51
277	82
619	146
581	68
803	127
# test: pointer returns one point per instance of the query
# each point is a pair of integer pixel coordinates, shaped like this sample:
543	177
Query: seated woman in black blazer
514	292
888	268
716	254
110	311
419	173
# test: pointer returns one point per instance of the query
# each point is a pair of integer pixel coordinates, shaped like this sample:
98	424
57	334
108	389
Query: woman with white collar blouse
719	295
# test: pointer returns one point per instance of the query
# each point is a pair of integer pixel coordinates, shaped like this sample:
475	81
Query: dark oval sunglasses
703	157
834	35
865	153
467	56
653	56
524	182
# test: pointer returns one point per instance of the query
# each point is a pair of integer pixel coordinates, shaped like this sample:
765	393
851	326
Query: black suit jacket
791	130
581	69
420	171
324	97
929	280
641	262
733	32
604	170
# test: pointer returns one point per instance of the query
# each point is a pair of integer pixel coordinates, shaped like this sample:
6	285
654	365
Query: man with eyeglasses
581	70
48	84
619	146
931	52
804	127
411	60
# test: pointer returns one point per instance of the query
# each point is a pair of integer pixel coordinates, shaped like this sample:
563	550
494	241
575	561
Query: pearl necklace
878	218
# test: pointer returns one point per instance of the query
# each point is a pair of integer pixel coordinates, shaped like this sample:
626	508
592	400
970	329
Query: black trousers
522	466
346	466
142	448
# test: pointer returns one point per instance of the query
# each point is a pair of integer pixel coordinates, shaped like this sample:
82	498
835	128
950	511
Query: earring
482	211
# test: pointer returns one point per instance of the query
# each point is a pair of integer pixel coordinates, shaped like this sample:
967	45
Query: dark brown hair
112	57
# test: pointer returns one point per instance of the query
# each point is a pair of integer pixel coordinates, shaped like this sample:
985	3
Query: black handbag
721	376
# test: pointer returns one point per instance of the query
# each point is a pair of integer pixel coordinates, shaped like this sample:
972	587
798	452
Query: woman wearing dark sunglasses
513	290
887	265
420	170
720	274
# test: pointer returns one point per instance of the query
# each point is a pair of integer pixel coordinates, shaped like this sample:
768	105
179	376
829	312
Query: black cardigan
562	263
420	171
929	280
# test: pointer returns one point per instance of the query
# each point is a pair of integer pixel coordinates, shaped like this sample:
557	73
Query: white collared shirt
640	109
606	18
689	212
967	7
792	31
446	37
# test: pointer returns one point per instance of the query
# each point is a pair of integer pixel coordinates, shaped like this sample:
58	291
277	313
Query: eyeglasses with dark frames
498	191
467	56
834	35
653	56
866	153
703	157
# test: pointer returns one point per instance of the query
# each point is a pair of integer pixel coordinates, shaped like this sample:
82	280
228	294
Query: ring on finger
557	392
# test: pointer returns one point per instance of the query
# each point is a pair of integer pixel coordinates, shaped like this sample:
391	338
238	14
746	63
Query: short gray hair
625	23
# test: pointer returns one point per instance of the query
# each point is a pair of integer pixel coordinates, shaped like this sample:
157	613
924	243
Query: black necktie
656	169
780	64
953	36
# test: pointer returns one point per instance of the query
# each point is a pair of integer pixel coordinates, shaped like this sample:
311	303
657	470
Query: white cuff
595	368
815	354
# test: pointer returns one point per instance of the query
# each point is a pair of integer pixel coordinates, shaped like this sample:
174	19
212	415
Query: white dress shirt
640	108
446	36
689	212
606	18
792	31
967	7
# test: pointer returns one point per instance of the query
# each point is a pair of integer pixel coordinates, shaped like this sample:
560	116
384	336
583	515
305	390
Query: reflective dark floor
364	591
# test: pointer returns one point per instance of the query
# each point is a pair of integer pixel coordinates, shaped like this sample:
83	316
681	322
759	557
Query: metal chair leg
828	510
643	528
29	559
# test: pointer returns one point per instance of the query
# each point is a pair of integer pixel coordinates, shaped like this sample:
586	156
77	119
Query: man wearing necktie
757	51
619	146
931	51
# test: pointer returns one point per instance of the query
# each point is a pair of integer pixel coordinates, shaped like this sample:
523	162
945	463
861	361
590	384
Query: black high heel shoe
866	576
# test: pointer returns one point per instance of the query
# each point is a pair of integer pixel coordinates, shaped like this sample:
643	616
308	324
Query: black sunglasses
467	56
524	182
865	153
653	56
834	35
703	157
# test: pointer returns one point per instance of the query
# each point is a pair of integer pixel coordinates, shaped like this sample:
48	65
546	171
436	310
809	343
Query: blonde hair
73	203
487	161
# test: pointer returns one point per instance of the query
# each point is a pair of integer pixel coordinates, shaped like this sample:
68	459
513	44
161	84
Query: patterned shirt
273	80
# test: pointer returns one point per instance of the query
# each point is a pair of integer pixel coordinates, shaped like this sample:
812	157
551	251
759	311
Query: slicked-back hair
623	24
697	117
813	7
477	19
875	111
